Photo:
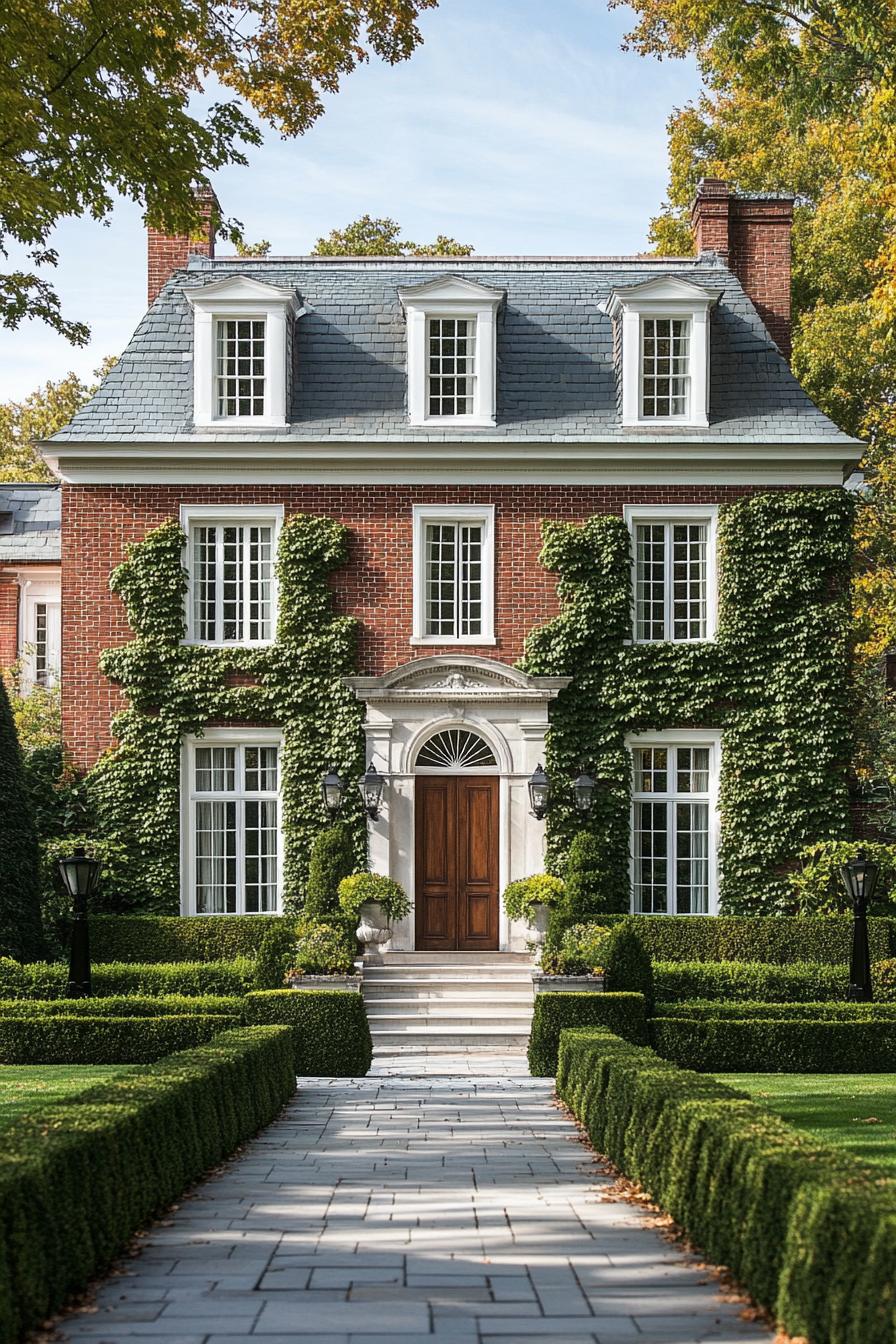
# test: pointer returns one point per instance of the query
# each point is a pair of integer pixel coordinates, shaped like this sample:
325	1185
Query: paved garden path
412	1205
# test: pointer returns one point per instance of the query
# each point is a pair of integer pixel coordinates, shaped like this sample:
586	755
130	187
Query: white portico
457	739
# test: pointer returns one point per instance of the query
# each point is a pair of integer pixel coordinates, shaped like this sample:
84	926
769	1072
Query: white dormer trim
664	297
451	296
239	296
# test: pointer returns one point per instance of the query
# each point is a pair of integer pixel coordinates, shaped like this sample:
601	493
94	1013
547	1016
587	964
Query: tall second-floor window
239	367
674	572
453	574
452	365
232	586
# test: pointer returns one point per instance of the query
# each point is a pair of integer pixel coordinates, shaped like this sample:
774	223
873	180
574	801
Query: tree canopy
802	97
367	237
98	97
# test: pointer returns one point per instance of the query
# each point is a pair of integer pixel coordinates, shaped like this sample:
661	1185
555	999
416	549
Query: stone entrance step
449	1002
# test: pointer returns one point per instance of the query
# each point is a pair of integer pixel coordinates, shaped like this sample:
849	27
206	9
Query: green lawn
854	1111
24	1085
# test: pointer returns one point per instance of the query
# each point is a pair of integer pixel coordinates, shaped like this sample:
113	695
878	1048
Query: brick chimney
166	253
751	234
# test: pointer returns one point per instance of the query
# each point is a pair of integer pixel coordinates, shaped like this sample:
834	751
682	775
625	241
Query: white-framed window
665	367
40	631
674	580
664	350
240	351
454	574
239	367
231	823
674	822
451	352
232	586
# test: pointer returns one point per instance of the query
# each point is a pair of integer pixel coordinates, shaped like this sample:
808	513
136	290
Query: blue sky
518	126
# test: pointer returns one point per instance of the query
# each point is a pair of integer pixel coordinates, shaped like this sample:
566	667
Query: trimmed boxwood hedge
79	1177
40	980
767	1045
810	1231
149	938
330	1028
749	981
104	1040
824	1012
122	1005
780	939
624	1014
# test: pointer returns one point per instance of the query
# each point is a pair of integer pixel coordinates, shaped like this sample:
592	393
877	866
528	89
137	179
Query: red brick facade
751	234
375	586
166	253
9	619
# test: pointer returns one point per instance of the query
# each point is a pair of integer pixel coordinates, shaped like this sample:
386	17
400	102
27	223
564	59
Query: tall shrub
587	885
332	859
627	963
20	927
275	956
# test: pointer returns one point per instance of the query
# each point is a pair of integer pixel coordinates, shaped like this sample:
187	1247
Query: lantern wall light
371	785
332	789
583	791
539	793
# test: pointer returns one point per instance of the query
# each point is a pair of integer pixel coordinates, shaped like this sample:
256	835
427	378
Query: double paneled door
456	863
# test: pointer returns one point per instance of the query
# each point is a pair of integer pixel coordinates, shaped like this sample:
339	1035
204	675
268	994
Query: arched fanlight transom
455	749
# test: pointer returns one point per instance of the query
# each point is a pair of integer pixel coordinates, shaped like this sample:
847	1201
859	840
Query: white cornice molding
480	461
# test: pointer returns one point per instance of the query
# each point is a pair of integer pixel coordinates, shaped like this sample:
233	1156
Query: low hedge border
768	1045
174	938
104	1040
810	1232
755	981
818	1012
330	1028
776	939
123	1005
623	1013
134	1143
41	980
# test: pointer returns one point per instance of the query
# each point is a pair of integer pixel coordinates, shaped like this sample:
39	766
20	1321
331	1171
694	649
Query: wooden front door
456	887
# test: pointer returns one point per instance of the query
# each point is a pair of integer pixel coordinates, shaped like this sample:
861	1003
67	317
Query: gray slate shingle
32	533
556	378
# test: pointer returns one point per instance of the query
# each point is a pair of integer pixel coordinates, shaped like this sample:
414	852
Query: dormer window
665	351
451	352
240	343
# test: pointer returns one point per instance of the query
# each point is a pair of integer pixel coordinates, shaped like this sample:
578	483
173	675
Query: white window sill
704	639
667	422
227	644
455	422
453	639
241	422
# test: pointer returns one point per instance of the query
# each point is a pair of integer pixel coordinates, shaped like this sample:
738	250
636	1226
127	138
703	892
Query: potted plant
577	964
323	958
377	902
531	899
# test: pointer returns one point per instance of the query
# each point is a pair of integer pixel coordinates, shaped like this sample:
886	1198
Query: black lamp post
859	878
80	875
332	789
539	793
371	785
583	791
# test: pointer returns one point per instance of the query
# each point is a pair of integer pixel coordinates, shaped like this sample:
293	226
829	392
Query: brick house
30	578
440	410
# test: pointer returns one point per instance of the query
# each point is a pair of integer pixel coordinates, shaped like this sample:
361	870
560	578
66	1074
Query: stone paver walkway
451	1208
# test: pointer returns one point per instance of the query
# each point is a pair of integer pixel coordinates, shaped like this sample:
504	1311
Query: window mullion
458	580
218	635
240	824
671	834
245	624
668	613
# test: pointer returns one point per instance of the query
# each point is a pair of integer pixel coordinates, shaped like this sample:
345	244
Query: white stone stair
450	1002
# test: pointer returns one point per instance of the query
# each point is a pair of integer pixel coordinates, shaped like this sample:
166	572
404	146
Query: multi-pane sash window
232	582
452	356
665	371
671	580
671	840
453	579
239	367
41	644
235	831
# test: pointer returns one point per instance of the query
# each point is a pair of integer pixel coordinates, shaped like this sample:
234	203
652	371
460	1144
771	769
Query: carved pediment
455	678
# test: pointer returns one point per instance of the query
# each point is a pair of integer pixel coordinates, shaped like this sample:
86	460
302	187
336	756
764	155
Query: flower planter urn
541	914
373	931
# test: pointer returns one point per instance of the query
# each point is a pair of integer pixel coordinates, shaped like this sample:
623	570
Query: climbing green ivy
175	689
775	682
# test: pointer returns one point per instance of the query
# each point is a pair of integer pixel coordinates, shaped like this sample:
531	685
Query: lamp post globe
539	792
859	878
371	785
332	789
80	875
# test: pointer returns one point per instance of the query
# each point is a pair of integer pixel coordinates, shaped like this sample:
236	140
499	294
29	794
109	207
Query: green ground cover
856	1112
24	1086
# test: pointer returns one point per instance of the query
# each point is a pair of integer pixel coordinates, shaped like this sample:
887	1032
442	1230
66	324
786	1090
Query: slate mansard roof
29	523
556	377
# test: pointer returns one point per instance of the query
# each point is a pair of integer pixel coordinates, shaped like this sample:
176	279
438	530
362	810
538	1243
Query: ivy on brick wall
174	689
774	681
